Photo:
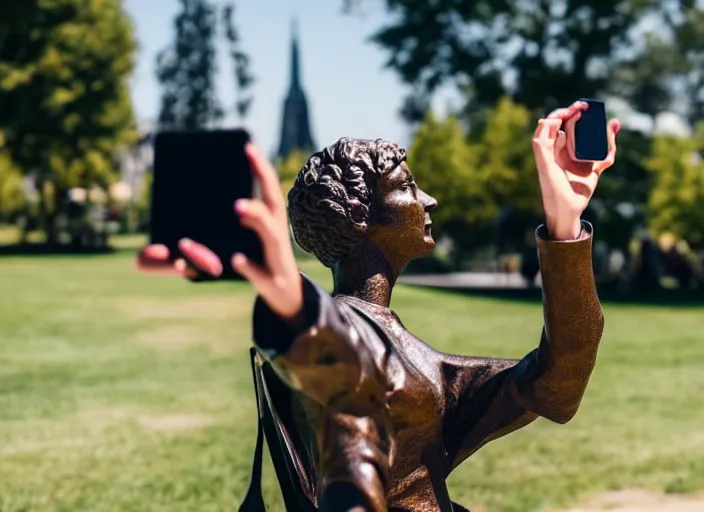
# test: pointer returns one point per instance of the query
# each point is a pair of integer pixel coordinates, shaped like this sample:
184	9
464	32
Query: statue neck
368	276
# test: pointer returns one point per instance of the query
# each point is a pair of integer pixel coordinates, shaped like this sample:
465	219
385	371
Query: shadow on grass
664	298
34	249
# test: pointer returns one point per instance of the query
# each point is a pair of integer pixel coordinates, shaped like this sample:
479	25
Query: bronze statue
360	414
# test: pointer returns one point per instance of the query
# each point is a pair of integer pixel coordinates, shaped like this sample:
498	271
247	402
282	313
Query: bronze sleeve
490	398
322	359
329	361
553	382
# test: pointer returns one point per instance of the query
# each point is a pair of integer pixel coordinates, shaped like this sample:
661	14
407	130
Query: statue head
357	192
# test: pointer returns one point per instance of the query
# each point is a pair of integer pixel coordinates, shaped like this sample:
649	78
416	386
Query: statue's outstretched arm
551	381
490	398
327	359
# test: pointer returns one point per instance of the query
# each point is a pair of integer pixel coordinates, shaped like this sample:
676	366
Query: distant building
295	124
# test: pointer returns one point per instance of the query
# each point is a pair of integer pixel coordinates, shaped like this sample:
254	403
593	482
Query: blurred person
530	264
647	275
360	414
680	262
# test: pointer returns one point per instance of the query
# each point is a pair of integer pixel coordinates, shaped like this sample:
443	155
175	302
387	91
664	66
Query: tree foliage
186	70
666	69
505	160
444	166
475	179
241	64
676	203
64	71
289	168
545	53
12	195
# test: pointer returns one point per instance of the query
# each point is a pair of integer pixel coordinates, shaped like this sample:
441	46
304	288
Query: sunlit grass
122	392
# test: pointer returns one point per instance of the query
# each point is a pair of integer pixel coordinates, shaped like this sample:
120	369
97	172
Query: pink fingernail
240	206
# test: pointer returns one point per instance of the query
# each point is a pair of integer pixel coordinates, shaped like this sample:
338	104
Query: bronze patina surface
351	399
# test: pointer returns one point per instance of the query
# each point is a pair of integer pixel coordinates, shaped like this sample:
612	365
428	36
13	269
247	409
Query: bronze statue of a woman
359	414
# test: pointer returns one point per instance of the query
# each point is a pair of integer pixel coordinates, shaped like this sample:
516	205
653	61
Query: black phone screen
198	176
590	137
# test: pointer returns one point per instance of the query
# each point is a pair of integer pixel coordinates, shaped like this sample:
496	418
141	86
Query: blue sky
349	92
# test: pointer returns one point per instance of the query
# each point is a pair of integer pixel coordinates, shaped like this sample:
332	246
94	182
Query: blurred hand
278	281
156	259
567	185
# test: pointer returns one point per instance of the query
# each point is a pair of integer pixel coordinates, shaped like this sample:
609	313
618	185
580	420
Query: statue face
400	225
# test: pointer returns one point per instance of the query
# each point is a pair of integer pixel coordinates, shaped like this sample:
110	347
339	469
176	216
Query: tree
476	180
64	71
667	73
241	62
688	31
507	166
542	53
677	198
445	167
186	70
12	195
505	160
143	204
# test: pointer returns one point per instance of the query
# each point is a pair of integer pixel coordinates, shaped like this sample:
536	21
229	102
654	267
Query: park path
640	501
467	280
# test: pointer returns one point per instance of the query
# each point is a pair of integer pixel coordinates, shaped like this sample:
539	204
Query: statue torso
415	407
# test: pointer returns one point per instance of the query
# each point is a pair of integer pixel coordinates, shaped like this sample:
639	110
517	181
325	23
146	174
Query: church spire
295	65
295	125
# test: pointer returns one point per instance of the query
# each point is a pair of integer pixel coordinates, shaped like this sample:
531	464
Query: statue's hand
566	184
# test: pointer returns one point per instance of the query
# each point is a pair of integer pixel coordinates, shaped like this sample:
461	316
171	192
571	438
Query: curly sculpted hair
330	203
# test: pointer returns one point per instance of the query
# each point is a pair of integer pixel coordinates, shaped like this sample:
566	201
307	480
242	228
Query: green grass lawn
125	392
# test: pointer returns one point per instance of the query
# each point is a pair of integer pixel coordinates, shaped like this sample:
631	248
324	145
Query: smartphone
198	176
590	138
